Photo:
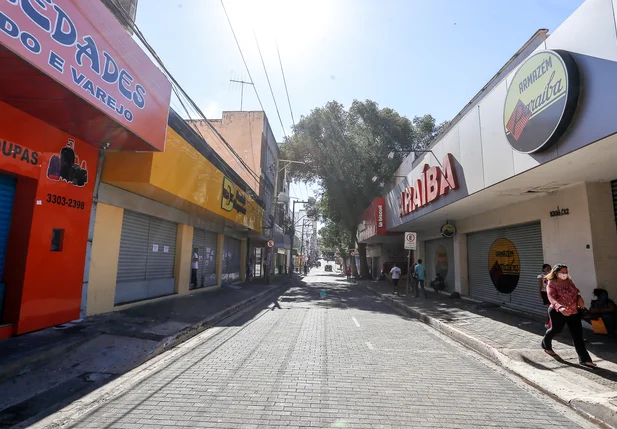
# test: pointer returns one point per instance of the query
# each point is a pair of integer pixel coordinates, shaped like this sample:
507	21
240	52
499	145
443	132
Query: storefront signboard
541	101
433	183
448	230
79	44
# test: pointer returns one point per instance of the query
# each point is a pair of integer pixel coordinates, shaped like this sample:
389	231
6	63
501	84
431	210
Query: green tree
343	150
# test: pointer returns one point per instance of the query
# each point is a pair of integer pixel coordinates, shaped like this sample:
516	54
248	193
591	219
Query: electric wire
269	85
293	121
242	54
178	88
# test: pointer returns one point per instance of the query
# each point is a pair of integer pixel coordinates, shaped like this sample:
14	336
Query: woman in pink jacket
565	303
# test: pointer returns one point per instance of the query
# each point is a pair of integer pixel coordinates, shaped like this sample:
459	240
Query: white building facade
525	174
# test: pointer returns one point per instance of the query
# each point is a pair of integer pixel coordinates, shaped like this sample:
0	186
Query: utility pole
242	83
273	209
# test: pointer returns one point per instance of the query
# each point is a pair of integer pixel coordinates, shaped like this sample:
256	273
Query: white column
461	277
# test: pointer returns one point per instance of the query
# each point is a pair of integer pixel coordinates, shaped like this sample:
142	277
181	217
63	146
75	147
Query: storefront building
168	223
250	137
72	83
383	248
523	175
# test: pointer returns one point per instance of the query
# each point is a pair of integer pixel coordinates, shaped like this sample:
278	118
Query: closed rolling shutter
205	243
527	240
132	262
7	195
231	260
161	263
614	187
440	256
147	257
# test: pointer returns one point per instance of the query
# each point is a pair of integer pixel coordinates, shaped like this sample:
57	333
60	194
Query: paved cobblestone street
343	361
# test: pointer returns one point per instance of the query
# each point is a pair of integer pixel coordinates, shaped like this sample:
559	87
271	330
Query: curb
78	405
598	409
196	328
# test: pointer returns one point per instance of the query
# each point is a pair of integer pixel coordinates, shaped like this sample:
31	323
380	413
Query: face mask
562	276
604	297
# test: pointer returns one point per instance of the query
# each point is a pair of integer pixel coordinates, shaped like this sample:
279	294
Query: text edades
61	29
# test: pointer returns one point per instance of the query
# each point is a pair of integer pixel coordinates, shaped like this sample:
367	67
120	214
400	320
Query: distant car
328	268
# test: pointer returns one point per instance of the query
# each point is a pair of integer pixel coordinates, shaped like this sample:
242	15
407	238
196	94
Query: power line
269	84
293	121
177	87
242	55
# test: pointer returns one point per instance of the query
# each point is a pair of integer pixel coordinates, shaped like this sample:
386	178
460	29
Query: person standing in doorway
395	273
419	270
564	309
546	269
194	267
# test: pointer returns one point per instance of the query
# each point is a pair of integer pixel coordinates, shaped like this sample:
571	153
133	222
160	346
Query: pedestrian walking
249	270
194	267
546	269
419	270
395	273
564	310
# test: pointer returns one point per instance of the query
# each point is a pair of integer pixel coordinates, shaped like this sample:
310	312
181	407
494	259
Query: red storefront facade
72	84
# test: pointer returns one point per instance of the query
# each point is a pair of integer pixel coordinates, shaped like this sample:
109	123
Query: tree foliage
346	153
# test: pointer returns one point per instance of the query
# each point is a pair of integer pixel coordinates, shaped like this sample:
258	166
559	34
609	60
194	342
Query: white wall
478	142
564	238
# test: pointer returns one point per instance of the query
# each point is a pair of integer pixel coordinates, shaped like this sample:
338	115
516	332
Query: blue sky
415	56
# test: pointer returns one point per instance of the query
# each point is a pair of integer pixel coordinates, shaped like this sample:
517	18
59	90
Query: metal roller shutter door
231	260
430	250
133	257
614	188
528	242
7	196
143	272
205	242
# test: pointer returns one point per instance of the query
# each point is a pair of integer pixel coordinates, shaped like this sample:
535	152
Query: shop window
57	240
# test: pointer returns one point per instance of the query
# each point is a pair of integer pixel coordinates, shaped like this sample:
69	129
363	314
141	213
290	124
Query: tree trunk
343	263
352	246
363	261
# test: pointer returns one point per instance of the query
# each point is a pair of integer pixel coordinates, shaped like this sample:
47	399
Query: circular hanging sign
541	101
270	244
504	265
448	230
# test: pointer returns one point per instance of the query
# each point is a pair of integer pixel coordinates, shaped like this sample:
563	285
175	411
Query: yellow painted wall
220	243
104	259
179	176
182	268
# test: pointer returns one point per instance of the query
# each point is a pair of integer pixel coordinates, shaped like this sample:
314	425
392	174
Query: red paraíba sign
431	185
80	45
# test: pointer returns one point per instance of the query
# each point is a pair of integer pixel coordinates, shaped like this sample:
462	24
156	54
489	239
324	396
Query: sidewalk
513	341
40	369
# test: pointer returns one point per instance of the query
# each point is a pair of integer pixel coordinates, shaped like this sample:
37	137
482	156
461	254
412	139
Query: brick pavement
344	361
106	346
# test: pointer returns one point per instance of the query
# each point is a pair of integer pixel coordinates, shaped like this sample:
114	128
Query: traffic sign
270	244
410	240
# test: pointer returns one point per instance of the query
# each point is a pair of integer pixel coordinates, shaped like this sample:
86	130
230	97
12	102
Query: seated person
603	307
438	283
